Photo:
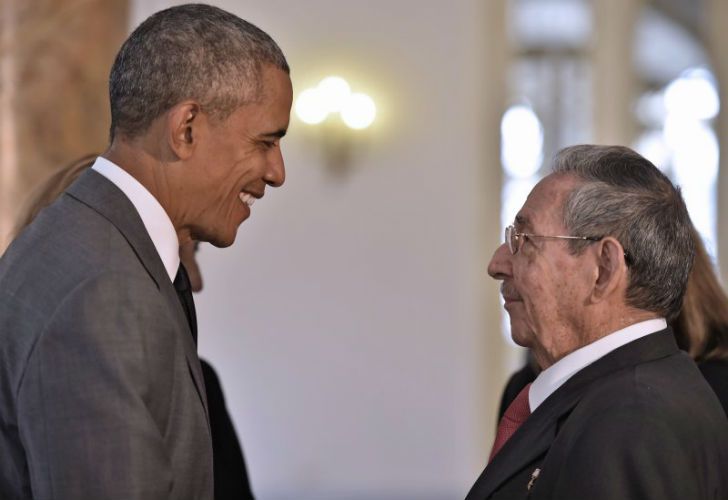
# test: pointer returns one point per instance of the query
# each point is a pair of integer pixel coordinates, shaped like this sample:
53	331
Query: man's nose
499	267
275	175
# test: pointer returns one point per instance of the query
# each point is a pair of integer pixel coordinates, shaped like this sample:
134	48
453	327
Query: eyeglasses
515	239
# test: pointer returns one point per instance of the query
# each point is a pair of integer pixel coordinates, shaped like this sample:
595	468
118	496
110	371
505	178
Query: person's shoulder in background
715	372
231	474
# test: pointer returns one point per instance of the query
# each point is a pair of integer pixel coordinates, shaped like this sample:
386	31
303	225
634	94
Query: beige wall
354	327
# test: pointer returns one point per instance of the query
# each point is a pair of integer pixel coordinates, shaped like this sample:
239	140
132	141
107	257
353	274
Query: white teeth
248	199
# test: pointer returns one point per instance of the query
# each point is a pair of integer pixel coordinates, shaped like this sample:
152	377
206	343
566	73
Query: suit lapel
103	196
193	361
533	439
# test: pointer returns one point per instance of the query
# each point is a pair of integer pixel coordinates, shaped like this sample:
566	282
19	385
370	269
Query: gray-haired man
597	260
101	393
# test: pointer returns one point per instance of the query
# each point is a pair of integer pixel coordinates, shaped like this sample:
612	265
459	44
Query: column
8	154
55	63
614	77
716	38
491	354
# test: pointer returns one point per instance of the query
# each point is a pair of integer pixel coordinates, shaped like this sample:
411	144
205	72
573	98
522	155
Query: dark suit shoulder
73	269
667	391
643	432
68	240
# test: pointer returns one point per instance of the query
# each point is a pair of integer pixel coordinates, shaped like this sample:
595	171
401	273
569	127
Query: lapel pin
534	476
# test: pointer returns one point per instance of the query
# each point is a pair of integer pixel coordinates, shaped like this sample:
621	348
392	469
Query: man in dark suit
595	264
101	391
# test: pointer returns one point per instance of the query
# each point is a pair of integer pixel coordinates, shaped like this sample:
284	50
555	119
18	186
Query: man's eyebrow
277	134
521	221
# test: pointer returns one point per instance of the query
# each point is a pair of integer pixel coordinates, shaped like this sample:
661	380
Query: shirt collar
155	219
557	374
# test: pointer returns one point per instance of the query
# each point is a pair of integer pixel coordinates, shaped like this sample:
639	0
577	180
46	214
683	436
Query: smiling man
101	392
595	263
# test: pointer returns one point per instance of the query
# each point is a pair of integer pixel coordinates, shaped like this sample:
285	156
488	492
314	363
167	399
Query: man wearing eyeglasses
594	265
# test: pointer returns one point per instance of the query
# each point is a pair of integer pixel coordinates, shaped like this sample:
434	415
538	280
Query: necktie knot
517	413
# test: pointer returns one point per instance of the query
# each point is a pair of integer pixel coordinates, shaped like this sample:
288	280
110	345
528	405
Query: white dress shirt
155	219
557	374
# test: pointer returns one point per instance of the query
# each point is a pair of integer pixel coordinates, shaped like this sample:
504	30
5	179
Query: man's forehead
545	202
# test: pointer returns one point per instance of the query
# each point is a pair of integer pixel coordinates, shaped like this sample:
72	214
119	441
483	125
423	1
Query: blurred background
358	337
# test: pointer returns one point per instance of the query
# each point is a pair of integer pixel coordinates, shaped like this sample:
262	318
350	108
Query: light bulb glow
310	107
331	96
359	111
334	92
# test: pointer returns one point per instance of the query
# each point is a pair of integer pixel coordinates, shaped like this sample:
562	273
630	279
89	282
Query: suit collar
101	195
153	216
553	377
535	436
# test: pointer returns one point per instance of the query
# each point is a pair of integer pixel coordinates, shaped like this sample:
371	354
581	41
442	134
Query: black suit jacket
639	423
715	372
231	475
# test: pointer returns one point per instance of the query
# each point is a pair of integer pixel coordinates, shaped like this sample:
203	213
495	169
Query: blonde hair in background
701	328
51	188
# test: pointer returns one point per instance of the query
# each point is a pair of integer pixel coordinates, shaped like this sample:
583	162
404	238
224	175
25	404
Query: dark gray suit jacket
101	391
640	423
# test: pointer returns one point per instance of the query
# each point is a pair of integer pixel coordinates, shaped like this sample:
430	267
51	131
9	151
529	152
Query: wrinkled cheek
539	305
532	315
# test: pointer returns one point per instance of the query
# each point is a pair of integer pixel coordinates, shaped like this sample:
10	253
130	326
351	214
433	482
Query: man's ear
612	269
183	123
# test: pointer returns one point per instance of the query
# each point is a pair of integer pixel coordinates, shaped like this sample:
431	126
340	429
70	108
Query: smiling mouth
247	198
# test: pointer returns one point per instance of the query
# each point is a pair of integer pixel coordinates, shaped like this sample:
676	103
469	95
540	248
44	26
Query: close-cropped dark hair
192	51
625	196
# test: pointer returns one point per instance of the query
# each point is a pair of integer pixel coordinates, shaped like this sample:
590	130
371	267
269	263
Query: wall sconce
340	116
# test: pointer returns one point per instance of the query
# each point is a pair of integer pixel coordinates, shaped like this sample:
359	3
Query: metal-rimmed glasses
515	239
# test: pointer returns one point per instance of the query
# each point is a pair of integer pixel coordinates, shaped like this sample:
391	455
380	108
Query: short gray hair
192	51
625	196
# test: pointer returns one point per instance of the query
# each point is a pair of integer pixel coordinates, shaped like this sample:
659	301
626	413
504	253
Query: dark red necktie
515	415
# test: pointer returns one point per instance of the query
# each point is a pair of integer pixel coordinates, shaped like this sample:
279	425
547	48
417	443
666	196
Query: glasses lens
509	239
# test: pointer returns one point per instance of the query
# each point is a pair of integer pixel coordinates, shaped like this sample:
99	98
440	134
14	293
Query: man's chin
520	341
223	242
219	239
521	334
